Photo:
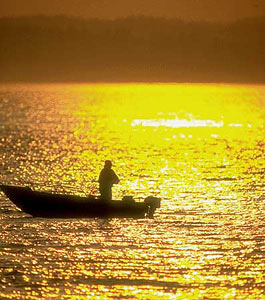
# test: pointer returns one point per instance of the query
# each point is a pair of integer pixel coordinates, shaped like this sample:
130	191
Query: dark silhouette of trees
139	48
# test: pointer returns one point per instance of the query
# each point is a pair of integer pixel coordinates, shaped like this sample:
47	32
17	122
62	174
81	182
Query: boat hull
49	205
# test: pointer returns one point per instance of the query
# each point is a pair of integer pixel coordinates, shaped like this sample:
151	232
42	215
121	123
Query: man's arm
115	178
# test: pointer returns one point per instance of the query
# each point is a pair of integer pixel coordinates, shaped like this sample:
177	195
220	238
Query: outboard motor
152	204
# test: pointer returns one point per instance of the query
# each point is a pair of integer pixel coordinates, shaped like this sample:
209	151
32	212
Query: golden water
198	147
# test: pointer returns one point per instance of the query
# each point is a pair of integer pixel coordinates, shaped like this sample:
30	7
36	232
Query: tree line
139	48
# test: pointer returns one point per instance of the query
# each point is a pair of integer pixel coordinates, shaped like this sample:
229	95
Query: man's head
108	164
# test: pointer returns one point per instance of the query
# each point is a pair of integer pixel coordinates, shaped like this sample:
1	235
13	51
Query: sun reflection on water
199	147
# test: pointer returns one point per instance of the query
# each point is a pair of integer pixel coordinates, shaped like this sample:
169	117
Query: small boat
51	205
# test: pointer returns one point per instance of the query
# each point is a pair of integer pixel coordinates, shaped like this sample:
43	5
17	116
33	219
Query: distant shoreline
133	49
3	82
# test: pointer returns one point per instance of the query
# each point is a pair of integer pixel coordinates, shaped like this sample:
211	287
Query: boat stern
152	204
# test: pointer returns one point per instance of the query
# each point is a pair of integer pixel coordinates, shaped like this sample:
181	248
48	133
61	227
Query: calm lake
199	147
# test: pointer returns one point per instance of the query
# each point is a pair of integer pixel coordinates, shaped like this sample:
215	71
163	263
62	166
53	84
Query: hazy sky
210	10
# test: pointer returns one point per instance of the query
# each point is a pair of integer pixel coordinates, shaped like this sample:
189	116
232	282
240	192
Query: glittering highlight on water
199	147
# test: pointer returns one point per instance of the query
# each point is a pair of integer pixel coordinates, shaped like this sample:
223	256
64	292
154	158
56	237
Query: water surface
198	147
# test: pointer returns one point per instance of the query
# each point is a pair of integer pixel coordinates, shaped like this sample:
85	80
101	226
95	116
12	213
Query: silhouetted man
106	180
